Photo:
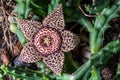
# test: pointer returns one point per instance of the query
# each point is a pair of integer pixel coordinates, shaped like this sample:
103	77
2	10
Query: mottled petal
29	28
55	61
70	41
29	54
55	19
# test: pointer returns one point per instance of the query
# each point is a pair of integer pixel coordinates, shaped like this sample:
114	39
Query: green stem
14	27
79	74
86	23
28	9
21	37
70	64
101	58
101	24
26	72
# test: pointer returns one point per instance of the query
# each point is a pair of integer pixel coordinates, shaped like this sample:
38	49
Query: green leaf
69	64
99	21
85	22
23	8
14	27
38	8
118	69
97	6
53	4
95	74
64	77
99	59
101	25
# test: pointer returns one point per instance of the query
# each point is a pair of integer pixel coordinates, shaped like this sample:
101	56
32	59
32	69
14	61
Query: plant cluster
103	11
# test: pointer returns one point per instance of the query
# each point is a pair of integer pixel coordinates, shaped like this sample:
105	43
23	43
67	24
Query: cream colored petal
29	54
70	41
55	19
55	61
29	28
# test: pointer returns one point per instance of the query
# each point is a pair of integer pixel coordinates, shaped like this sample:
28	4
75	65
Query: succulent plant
47	41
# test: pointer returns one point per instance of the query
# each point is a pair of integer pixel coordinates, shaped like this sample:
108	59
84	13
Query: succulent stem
14	28
101	58
101	25
70	64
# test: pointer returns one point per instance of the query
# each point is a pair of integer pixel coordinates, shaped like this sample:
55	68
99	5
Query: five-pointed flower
47	41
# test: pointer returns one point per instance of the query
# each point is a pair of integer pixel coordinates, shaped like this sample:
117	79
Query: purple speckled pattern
47	41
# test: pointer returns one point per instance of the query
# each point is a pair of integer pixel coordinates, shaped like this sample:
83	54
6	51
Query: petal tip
60	5
70	41
55	19
55	62
29	54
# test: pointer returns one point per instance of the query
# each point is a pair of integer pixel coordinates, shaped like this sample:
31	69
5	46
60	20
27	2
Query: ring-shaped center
47	40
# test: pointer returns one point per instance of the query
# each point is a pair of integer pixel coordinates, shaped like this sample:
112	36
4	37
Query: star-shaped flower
47	41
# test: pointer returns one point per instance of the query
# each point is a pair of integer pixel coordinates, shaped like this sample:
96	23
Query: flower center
47	40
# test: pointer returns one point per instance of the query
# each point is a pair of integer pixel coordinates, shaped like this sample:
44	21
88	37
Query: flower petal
55	19
29	28
55	61
70	41
29	54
